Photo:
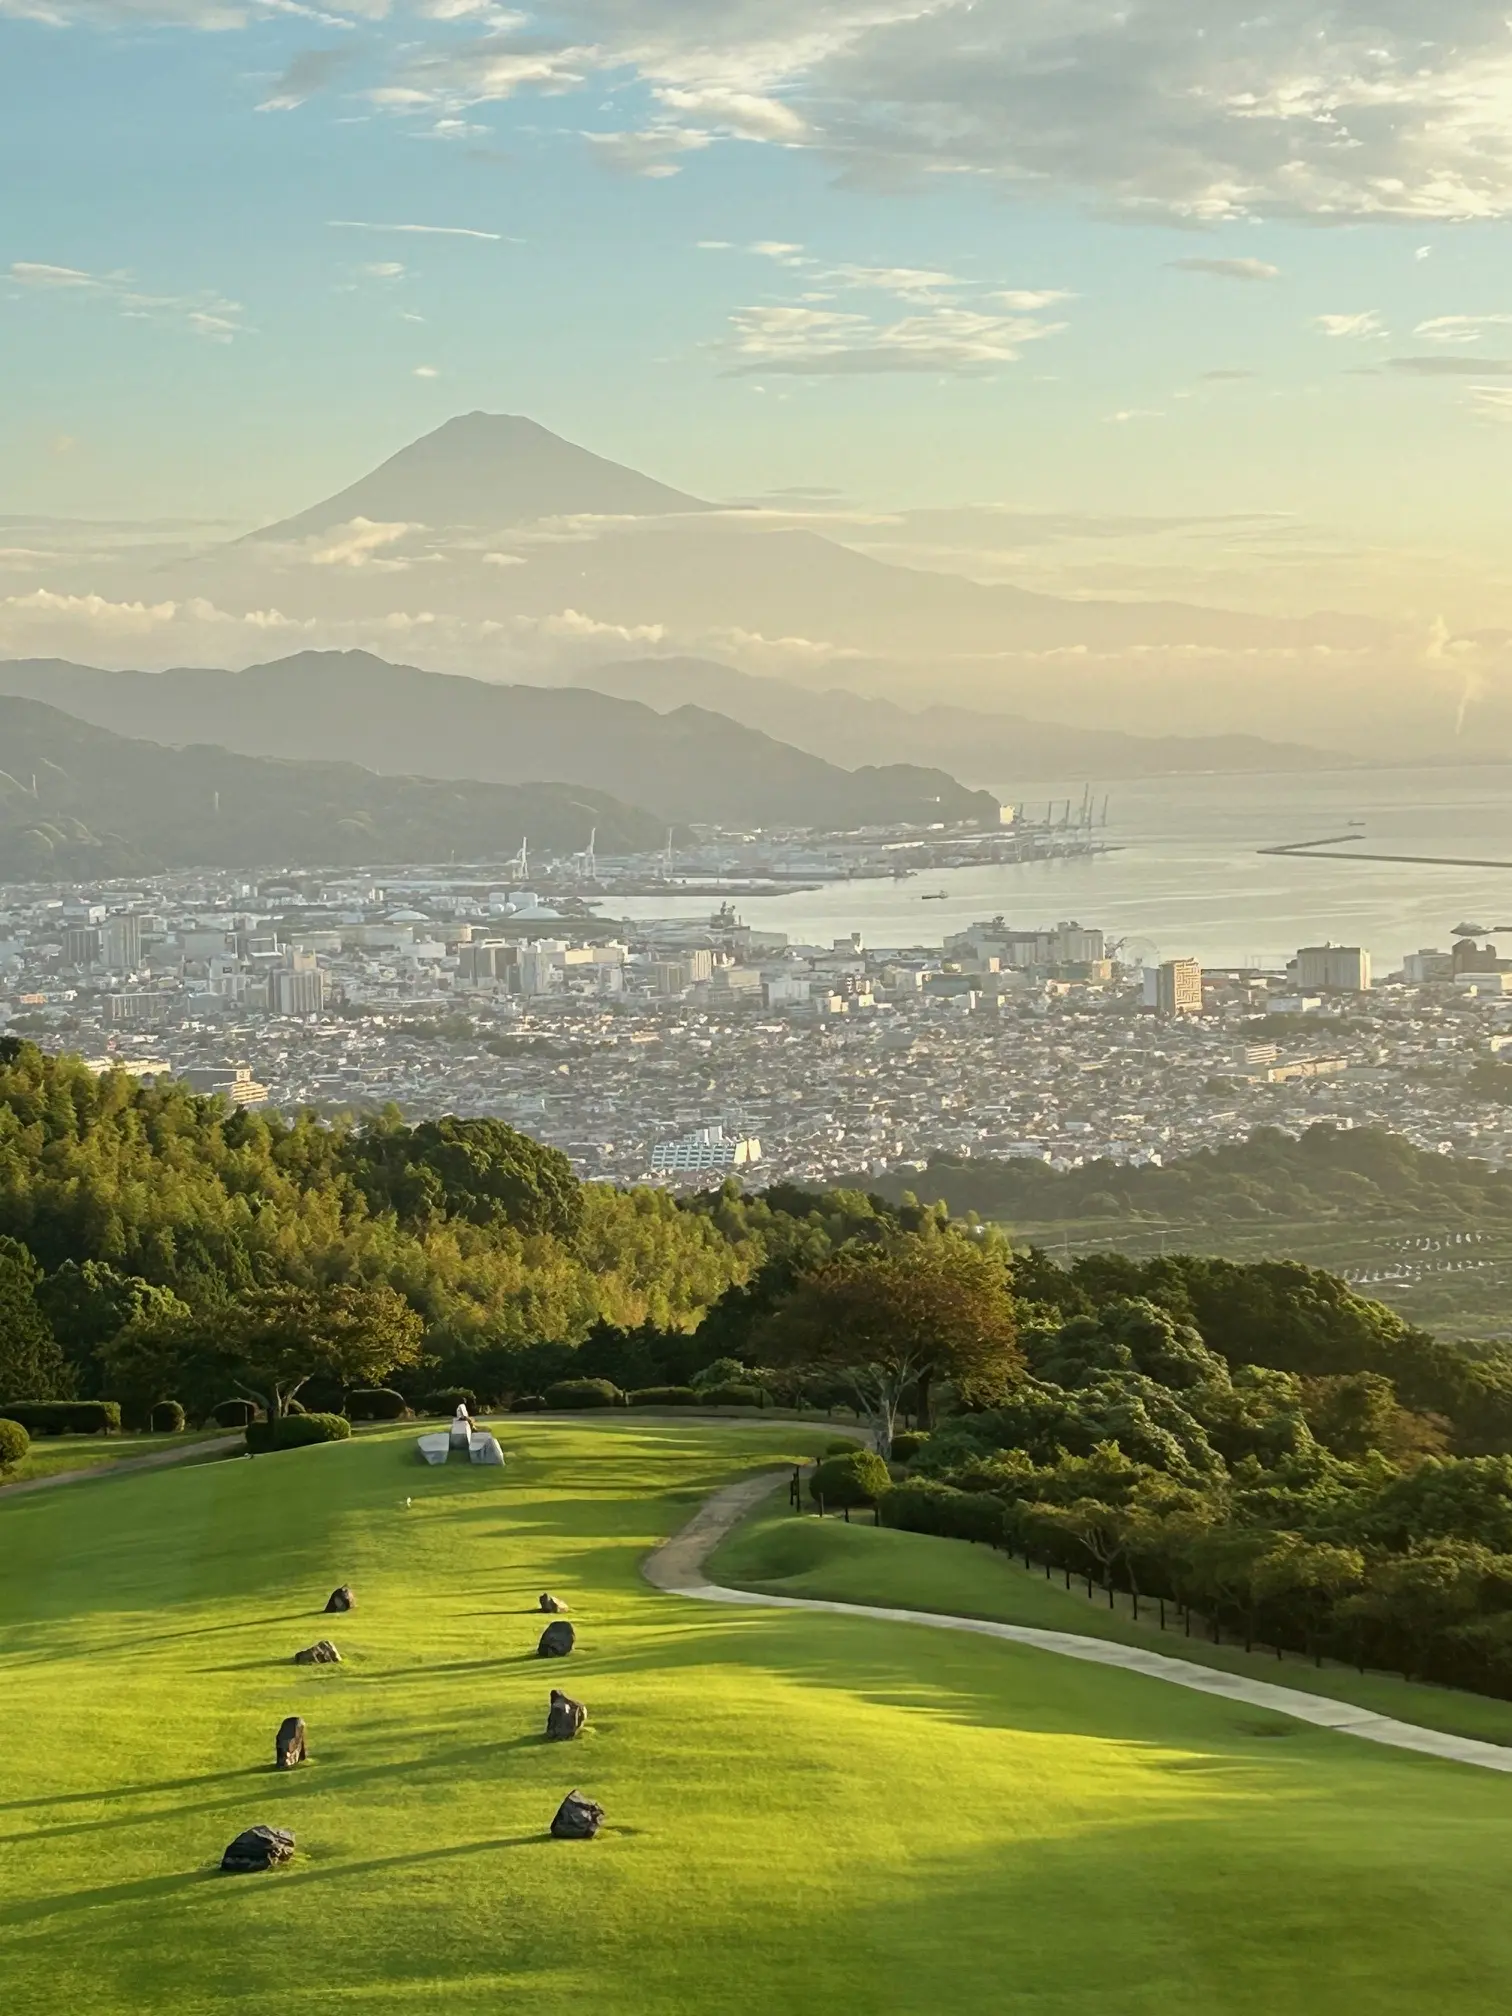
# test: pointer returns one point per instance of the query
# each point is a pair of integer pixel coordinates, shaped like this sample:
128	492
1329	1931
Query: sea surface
1186	879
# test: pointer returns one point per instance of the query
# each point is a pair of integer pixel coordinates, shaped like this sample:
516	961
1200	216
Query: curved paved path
126	1466
678	1568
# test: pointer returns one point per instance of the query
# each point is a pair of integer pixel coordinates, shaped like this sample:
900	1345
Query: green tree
896	1317
283	1337
31	1365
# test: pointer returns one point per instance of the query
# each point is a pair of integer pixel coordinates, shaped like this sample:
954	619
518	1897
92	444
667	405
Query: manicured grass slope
913	1571
805	1812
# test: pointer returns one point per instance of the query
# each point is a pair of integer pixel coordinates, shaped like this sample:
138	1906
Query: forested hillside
1254	1440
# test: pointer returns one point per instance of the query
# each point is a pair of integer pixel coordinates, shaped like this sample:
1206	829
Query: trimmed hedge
858	1478
65	1417
906	1446
296	1431
732	1396
841	1446
14	1442
942	1510
665	1396
449	1398
583	1393
233	1414
167	1418
528	1403
376	1403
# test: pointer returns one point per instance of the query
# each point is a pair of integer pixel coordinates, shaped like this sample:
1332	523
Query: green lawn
862	1563
51	1453
805	1812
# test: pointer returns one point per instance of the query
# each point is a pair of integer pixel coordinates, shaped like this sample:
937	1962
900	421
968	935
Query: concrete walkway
128	1466
678	1568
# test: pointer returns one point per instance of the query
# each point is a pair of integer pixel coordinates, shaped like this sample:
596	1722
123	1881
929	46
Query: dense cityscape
676	1050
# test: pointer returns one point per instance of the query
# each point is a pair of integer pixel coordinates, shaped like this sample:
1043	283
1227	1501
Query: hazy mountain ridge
77	800
692	765
986	748
509	553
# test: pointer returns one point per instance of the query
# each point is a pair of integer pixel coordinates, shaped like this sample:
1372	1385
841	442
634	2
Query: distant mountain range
999	751
690	765
514	554
77	802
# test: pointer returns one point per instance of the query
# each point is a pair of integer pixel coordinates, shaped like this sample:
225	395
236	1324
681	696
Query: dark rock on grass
557	1640
341	1599
259	1848
289	1744
564	1717
577	1818
552	1603
321	1653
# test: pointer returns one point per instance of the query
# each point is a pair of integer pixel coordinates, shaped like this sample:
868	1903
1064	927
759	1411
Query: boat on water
934	895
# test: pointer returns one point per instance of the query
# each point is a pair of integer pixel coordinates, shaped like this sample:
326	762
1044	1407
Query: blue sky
1041	253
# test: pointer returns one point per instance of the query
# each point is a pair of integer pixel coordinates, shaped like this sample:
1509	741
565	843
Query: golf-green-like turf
805	1813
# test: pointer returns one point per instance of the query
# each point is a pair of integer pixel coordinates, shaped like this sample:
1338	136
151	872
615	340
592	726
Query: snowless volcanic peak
490	469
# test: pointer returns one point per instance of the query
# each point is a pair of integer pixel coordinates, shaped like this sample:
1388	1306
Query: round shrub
376	1403
859	1478
723	1372
843	1445
528	1403
233	1414
14	1443
732	1396
583	1393
296	1431
167	1418
906	1446
665	1396
447	1399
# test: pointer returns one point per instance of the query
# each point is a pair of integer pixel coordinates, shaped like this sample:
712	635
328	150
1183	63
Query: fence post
1162	1613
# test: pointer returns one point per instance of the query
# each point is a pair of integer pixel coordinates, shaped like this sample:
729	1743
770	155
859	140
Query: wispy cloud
1365	323
1459	328
417	230
826	342
748	115
1229	269
654	154
206	314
